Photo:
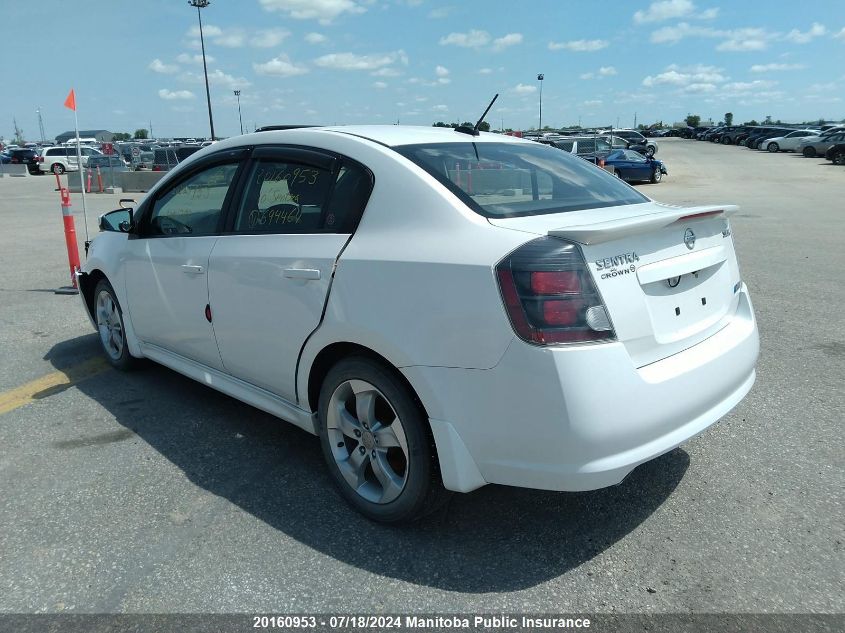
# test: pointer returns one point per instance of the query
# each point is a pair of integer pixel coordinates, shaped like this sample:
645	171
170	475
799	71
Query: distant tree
729	118
751	122
142	133
484	126
693	120
467	124
821	122
440	124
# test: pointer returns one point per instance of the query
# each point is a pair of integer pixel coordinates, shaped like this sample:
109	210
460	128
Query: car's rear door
270	273
167	260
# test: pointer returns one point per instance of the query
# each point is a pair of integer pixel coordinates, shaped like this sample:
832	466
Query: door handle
302	273
192	270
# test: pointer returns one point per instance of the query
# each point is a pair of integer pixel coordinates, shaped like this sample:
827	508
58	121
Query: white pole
81	178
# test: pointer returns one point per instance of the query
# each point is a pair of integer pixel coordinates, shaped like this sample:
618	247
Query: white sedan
443	308
787	143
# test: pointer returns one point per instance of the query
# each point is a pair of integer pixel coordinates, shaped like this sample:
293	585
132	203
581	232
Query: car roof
396	135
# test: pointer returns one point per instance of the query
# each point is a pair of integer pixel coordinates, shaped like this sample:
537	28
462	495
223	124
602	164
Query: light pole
202	4
540	79
238	95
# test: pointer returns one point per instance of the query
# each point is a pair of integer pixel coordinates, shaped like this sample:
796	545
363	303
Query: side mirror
119	221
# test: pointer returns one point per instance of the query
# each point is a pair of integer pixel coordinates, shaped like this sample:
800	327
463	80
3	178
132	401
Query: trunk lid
668	275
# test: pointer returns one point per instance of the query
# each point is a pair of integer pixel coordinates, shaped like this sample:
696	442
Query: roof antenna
473	131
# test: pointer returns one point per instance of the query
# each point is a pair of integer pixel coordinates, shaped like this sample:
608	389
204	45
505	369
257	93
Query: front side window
502	180
194	206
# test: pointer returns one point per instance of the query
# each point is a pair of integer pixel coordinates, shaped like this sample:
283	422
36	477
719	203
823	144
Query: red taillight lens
40	159
552	283
550	296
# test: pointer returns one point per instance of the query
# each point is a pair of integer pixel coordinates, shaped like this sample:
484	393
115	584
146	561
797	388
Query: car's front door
270	273
167	261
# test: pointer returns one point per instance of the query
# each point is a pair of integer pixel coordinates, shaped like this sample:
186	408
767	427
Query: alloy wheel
109	325
368	441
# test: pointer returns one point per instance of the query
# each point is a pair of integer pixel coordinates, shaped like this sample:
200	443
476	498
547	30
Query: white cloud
607	71
387	71
798	37
269	38
439	13
841	34
173	95
700	88
765	68
672	9
234	38
735	40
440	108
441	71
158	66
686	76
587	75
743	87
185	58
209	30
379	84
485	71
351	61
511	39
219	78
593	103
665	10
524	89
579	46
471	39
315	38
323	10
280	66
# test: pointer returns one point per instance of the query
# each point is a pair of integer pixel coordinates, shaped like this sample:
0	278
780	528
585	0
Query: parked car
354	291
637	141
788	143
836	154
813	146
590	148
754	140
112	162
632	166
25	156
729	136
5	159
166	158
144	161
60	159
617	142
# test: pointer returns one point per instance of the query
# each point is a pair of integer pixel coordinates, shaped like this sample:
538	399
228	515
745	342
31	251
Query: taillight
40	159
550	296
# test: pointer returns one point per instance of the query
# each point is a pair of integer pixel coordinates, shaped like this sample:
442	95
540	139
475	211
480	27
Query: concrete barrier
138	180
10	169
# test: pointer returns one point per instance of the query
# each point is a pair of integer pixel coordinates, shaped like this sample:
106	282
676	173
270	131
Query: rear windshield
506	180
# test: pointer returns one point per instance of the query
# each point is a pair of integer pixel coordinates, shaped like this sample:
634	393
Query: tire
388	473
57	168
726	140
773	147
109	319
809	152
839	158
656	175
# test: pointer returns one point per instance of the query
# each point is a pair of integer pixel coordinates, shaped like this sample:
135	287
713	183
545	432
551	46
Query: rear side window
287	197
57	151
502	180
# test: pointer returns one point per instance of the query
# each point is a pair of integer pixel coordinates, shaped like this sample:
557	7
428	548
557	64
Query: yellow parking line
51	383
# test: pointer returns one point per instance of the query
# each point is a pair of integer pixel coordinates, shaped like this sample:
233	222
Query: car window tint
518	179
194	205
283	197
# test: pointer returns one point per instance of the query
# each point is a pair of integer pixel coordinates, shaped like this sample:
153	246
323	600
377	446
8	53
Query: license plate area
684	305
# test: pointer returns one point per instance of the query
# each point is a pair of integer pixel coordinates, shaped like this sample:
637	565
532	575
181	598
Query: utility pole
202	4
41	125
635	120
152	136
240	118
540	79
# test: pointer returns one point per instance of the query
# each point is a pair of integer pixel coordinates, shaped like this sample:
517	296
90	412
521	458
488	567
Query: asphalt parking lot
147	492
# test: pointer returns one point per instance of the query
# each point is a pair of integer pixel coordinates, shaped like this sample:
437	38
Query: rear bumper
583	418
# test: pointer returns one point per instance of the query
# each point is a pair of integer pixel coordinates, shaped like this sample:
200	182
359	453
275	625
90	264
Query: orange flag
70	102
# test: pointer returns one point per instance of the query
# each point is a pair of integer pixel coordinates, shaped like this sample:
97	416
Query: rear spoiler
599	232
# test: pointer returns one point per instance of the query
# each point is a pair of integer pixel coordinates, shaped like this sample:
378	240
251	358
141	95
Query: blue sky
417	61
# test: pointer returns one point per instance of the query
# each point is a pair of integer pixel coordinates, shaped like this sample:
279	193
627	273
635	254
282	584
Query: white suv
443	308
62	158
